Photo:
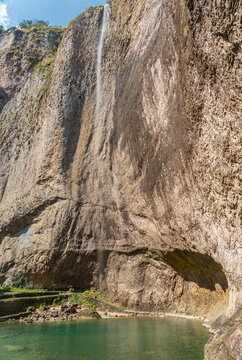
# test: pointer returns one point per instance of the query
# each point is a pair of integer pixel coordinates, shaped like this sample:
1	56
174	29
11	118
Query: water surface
105	339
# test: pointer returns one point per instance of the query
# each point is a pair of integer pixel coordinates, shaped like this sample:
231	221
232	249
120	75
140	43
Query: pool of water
104	339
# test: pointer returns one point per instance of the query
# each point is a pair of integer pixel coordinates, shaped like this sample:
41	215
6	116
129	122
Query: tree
41	23
26	24
1	29
29	24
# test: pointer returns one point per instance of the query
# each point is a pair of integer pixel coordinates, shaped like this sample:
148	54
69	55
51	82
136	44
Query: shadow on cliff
3	98
198	268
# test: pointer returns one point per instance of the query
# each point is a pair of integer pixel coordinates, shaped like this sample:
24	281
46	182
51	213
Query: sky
57	12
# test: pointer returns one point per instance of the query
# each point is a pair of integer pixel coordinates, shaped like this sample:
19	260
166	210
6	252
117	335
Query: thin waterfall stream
99	63
99	126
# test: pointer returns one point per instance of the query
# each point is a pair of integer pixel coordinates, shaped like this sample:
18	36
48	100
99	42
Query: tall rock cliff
125	177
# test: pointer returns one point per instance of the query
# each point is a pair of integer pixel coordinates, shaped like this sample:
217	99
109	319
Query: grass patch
14	289
85	299
45	64
59	301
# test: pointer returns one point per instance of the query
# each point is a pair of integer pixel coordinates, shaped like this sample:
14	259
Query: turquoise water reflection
106	339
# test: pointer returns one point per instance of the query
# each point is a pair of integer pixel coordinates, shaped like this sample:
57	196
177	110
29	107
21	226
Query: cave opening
199	268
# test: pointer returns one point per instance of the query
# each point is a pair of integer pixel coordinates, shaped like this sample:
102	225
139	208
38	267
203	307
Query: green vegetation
29	24
15	289
93	8
39	51
61	300
1	29
71	22
185	30
19	282
84	298
42	307
32	60
42	92
49	55
90	8
4	289
42	304
14	50
45	63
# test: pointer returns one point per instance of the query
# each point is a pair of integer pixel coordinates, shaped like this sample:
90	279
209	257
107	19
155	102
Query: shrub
32	60
29	24
19	282
4	289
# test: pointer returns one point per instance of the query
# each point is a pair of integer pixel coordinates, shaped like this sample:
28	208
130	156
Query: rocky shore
62	312
73	311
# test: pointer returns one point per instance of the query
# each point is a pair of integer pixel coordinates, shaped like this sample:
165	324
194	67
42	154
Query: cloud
4	19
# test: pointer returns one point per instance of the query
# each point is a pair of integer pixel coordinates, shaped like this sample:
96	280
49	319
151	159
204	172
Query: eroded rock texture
141	199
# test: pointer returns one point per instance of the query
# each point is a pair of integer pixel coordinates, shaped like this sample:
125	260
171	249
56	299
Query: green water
106	339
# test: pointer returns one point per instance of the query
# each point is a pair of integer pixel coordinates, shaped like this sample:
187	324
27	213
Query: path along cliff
134	192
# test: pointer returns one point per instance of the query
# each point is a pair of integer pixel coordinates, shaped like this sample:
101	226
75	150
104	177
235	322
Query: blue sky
57	12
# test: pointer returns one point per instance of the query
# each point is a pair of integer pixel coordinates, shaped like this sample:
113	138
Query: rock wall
139	199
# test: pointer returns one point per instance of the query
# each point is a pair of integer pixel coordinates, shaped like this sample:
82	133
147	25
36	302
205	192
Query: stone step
17	305
14	316
104	306
10	295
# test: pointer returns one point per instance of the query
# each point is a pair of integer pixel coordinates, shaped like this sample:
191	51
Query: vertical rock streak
99	62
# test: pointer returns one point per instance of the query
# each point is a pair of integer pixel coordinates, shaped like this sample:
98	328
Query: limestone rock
142	198
88	313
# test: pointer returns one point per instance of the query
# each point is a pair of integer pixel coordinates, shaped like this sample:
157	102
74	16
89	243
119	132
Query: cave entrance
199	268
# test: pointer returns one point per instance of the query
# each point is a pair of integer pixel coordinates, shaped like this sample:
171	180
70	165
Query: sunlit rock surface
140	198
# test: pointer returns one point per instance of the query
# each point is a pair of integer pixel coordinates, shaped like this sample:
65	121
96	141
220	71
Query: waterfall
99	61
99	133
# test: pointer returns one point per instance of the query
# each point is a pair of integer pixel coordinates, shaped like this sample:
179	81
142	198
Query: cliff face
138	196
